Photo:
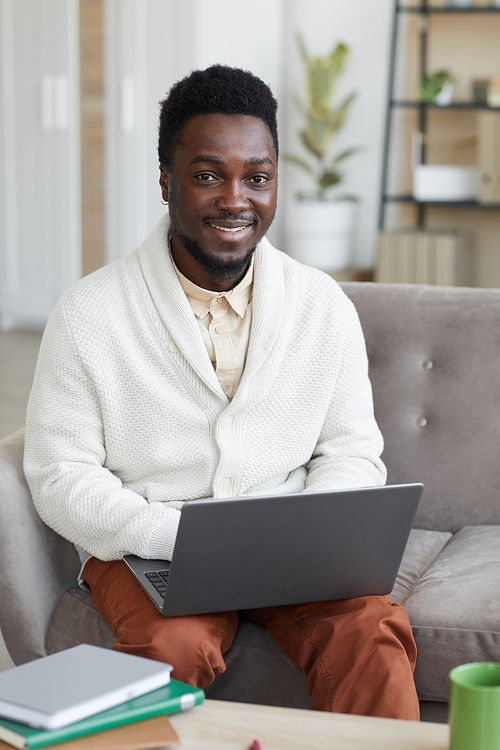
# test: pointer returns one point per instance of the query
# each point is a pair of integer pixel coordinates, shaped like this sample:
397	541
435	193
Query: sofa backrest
434	357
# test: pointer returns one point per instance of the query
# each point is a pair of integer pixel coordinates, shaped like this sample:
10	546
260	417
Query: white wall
149	46
39	157
153	43
249	35
364	25
139	67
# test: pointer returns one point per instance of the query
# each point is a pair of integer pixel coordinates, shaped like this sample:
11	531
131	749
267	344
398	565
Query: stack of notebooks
90	698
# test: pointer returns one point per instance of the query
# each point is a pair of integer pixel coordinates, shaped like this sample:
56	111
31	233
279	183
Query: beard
218	269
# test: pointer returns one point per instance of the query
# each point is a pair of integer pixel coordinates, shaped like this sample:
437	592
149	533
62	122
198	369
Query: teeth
227	229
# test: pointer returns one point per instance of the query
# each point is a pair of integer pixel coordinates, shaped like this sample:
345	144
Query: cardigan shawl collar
173	307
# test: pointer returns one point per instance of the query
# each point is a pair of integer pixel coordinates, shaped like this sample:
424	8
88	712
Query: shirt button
220	329
225	485
421	421
224	386
173	347
226	422
220	300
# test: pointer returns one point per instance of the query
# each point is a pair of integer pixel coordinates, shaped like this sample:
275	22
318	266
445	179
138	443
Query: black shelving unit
425	10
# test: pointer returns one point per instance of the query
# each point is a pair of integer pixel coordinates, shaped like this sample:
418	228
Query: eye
205	177
259	179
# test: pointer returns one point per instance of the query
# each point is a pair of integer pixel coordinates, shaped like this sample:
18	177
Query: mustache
228	216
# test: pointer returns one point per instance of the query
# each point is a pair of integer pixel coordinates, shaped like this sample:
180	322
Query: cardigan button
227	422
173	347
225	485
428	364
421	421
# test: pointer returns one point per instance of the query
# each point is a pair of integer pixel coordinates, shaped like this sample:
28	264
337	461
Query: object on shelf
413	257
459	3
445	182
480	88
493	96
437	87
488	130
445	96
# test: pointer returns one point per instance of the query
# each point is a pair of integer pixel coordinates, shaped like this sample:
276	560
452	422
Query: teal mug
475	707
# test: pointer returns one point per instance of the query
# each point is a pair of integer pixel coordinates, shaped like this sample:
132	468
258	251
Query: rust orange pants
358	654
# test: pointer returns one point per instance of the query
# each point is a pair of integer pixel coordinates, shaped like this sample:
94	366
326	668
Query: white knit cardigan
127	419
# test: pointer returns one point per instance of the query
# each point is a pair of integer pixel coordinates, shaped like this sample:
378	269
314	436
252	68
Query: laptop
248	552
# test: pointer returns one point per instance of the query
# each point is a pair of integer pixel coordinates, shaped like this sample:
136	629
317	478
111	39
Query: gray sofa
435	368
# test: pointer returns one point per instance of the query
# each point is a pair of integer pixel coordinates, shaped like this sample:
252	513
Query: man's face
222	191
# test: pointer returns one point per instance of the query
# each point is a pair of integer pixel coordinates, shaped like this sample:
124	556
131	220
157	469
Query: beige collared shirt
224	319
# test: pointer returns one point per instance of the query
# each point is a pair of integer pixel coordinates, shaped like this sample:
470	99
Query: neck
222	278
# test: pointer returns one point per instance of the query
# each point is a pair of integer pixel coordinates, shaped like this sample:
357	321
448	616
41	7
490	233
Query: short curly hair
218	89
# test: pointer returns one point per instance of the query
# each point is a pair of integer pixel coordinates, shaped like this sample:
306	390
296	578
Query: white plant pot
443	99
445	182
320	233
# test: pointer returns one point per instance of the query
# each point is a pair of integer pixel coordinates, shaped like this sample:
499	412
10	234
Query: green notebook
176	696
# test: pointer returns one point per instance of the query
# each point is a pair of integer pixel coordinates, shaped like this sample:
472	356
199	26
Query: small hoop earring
164	203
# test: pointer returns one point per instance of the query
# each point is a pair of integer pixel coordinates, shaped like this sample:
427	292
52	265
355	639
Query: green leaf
318	132
338	57
298	162
310	144
345	155
346	197
328	179
346	104
337	118
309	195
334	122
320	83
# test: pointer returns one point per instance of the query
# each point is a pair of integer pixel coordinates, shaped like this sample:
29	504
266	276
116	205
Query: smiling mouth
233	230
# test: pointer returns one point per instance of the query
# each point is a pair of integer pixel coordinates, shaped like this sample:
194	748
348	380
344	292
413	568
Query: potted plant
437	87
321	221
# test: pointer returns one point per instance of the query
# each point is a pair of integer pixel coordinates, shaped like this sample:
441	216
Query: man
207	363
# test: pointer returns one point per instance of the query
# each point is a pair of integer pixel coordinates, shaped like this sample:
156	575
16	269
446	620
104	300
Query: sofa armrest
37	565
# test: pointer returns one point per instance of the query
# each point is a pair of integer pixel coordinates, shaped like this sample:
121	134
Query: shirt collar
200	299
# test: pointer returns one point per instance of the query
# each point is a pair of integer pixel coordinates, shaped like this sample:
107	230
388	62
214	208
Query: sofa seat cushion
76	620
259	671
269	677
454	609
422	549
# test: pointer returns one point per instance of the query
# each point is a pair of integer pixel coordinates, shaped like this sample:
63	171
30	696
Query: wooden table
220	725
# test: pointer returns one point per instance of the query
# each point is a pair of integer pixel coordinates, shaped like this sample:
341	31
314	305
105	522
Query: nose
232	197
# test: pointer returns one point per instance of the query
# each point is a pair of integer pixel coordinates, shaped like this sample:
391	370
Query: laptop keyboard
159	580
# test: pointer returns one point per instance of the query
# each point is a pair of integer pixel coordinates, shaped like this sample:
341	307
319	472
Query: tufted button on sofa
435	369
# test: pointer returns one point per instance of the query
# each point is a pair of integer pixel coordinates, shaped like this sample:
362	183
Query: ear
164	183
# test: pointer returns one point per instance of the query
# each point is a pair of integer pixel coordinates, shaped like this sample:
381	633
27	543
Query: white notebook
68	686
